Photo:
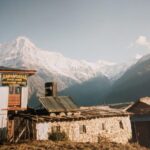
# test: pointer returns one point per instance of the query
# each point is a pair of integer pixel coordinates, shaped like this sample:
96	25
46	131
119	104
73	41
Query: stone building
88	125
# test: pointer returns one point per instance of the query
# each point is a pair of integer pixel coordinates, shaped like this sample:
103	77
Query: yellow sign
14	79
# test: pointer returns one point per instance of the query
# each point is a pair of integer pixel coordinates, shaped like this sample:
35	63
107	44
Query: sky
112	30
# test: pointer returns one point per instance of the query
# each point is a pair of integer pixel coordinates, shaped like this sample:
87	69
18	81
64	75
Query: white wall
94	130
42	131
3	112
24	97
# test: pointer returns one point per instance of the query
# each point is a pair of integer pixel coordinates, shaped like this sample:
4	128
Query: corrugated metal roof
58	104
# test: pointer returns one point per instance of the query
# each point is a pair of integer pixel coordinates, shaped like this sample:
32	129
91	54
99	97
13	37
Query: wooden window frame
82	129
103	126
121	125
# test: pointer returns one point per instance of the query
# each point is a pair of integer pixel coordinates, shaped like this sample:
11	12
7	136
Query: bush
58	136
103	139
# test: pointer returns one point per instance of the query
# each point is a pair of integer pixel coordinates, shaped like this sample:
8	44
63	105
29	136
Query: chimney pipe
51	89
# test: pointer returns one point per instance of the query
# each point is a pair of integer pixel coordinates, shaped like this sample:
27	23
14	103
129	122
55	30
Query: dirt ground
66	145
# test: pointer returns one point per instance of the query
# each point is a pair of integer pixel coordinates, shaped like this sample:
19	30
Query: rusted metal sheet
58	104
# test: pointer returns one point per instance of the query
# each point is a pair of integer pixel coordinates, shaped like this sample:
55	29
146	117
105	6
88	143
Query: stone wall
116	129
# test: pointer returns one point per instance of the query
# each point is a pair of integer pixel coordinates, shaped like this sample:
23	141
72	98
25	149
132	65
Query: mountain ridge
53	66
22	47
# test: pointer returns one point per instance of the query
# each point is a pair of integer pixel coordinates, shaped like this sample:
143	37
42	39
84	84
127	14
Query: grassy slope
49	145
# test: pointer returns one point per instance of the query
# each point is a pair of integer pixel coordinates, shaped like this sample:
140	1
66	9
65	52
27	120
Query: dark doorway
141	132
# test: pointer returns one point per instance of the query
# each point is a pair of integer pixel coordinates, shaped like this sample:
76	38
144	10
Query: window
17	90
11	90
14	90
82	129
103	126
55	129
121	125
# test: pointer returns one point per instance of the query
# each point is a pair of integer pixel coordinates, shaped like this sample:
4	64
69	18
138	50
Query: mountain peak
22	42
23	38
106	63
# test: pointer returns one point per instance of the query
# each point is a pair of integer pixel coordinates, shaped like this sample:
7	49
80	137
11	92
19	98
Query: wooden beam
15	108
21	133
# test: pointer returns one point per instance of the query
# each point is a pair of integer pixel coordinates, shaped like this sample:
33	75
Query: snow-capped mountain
23	53
53	66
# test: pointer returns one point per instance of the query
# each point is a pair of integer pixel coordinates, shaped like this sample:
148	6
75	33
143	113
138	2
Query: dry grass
66	145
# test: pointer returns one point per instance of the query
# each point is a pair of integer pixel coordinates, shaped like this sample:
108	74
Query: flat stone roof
80	114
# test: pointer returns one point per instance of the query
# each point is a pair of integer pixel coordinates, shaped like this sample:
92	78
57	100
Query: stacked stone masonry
116	129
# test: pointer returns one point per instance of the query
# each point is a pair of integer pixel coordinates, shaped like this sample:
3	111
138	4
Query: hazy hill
90	92
135	83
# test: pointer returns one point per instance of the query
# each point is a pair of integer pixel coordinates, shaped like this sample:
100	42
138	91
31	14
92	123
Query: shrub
103	139
58	136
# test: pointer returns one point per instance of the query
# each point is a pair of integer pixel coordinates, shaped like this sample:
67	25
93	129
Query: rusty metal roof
58	104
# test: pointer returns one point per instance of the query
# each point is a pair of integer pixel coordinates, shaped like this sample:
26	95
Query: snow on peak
22	42
22	38
138	56
144	58
24	53
107	63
